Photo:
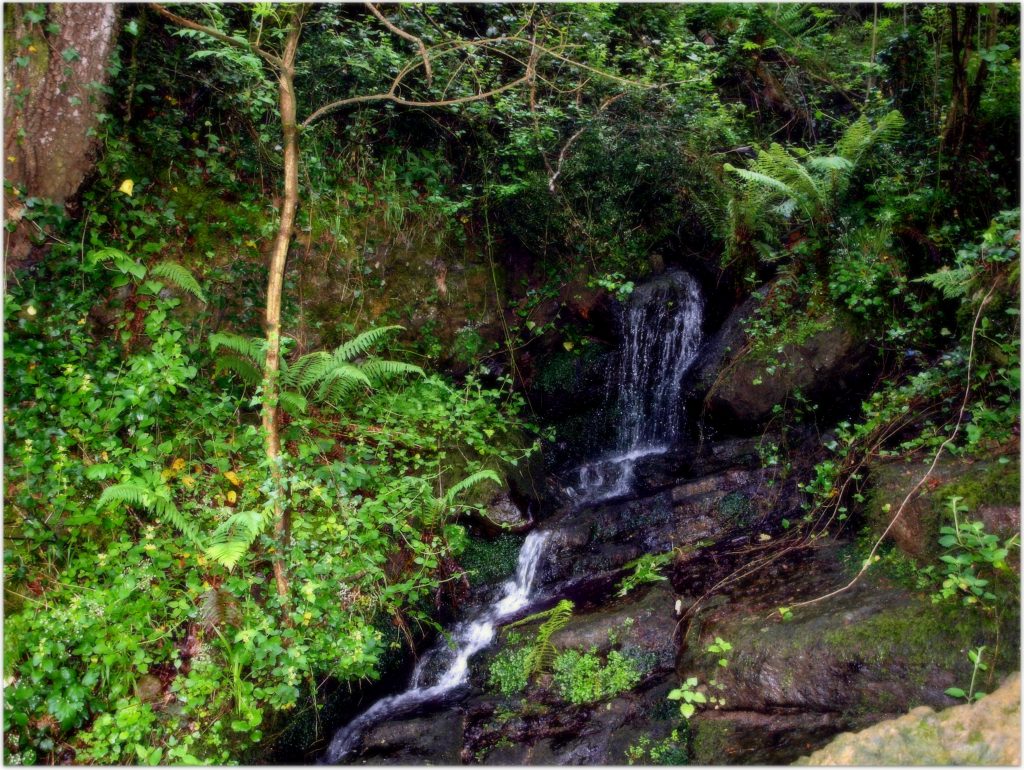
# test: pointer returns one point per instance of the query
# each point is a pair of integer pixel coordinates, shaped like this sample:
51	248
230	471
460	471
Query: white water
661	337
467	639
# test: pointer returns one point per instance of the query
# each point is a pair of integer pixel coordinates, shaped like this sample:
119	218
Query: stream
661	337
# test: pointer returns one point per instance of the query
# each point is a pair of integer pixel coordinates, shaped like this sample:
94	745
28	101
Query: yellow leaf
568	345
126	187
233	478
178	464
188	481
232	497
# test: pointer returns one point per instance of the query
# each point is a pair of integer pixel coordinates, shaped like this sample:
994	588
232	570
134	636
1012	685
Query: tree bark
54	79
966	96
275	286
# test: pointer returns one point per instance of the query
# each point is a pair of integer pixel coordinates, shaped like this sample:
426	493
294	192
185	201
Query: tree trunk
55	71
966	97
275	285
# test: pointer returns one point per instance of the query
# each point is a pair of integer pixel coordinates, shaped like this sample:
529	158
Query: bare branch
235	42
405	36
392	97
537	51
572	140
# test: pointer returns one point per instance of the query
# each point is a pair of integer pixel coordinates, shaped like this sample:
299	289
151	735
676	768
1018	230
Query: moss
991	484
915	638
710	738
488	561
738	509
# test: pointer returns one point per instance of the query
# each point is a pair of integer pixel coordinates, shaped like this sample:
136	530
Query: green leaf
956	692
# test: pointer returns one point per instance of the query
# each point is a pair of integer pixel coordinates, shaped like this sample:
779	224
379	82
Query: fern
859	136
541	651
360	344
254	349
219	607
155	501
952	282
381	371
232	539
180	277
292	402
792	181
467	483
330	377
246	370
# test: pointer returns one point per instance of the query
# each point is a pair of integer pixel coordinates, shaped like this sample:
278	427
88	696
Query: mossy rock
983	733
990	490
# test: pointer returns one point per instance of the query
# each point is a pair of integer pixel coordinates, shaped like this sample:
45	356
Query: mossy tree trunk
56	66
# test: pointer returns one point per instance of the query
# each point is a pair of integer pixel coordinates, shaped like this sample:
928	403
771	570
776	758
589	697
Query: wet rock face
739	388
982	733
432	739
730	494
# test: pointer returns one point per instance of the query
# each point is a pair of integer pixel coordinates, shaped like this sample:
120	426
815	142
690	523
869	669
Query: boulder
828	368
846	662
983	733
989	490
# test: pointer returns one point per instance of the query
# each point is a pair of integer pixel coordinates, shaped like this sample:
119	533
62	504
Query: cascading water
450	660
661	330
661	335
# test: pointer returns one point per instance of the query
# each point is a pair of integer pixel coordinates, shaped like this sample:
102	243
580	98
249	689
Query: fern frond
380	370
306	371
219	607
252	348
952	282
757	178
358	345
340	381
854	139
292	402
542	652
180	277
159	504
232	539
470	481
834	163
248	372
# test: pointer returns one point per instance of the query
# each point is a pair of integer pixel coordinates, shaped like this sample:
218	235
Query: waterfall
661	335
449	659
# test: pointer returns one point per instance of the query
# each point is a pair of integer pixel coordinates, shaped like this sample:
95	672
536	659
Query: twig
418	42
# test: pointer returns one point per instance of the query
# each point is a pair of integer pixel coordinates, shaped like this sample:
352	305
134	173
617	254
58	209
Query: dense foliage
846	162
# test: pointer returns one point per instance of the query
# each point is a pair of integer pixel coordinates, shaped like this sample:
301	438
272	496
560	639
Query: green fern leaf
292	402
243	367
381	371
470	481
180	277
253	349
232	539
160	504
542	652
360	344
